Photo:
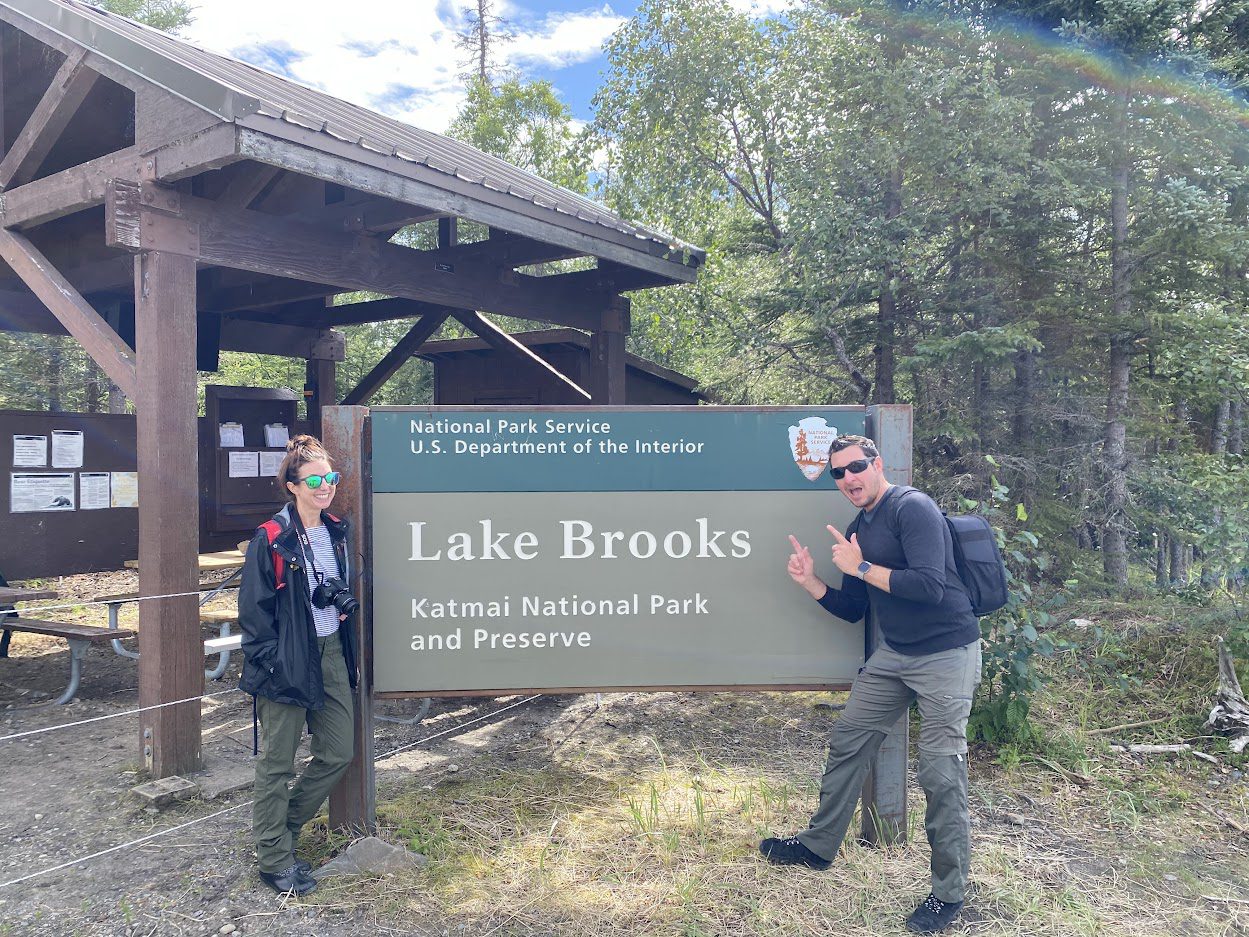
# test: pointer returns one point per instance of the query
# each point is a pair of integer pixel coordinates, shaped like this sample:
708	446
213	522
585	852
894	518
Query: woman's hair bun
302	441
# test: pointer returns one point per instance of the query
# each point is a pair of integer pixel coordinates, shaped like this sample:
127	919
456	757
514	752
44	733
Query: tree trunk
54	376
887	304
1219	431
1179	561
1235	427
1160	559
1119	369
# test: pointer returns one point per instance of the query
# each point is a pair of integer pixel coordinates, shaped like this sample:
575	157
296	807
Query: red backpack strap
272	530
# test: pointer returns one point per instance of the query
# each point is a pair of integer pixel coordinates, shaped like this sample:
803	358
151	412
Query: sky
399	56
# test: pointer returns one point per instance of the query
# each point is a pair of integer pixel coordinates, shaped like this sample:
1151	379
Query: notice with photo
124	489
94	491
31	492
66	448
30	451
244	464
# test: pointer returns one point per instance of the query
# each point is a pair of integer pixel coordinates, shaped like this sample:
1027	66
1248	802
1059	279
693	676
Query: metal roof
238	92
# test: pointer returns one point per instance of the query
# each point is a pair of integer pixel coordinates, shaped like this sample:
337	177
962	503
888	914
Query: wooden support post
607	354
884	789
345	432
319	389
171	656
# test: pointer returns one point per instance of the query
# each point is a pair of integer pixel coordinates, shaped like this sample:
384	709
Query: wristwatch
863	568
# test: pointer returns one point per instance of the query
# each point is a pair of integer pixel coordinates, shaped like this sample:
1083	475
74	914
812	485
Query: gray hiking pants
943	685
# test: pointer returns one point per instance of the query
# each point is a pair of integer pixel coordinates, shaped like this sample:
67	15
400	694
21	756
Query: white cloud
564	38
397	58
368	52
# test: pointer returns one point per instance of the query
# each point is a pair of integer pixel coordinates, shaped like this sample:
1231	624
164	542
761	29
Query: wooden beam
265	293
67	191
171	653
250	240
499	340
249	182
287	341
113	356
367	215
308	152
58	105
396	358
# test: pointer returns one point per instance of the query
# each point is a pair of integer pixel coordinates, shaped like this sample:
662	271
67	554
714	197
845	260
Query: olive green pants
943	685
281	808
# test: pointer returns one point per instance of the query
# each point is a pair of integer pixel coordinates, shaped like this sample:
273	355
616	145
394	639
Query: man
898	562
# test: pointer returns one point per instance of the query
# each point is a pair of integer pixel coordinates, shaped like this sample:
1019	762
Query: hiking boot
933	915
791	852
289	880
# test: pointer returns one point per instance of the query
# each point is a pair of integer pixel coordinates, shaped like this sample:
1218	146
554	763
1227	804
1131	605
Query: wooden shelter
469	372
161	203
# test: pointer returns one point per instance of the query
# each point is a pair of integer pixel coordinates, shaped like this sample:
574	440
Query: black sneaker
791	852
933	915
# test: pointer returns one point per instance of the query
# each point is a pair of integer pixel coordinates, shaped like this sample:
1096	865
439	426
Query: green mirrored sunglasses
329	478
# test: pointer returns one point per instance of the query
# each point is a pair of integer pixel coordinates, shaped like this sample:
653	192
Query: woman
299	658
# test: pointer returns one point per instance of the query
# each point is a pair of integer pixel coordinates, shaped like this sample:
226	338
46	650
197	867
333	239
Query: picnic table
225	642
10	596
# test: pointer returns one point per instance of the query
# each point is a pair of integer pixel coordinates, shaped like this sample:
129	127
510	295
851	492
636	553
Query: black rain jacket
281	658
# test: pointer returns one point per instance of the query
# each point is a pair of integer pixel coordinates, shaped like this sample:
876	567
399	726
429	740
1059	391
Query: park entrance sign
596	548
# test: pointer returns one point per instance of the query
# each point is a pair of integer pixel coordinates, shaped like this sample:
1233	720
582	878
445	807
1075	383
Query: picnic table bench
223	644
80	637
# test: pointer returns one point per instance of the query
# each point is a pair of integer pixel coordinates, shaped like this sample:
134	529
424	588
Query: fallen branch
1230	714
1127	725
1152	749
1078	779
1238	827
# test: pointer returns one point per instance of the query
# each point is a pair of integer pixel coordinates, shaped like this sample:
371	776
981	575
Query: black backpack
976	556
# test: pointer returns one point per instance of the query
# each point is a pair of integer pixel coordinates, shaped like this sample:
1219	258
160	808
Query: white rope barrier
219	813
128	712
86	603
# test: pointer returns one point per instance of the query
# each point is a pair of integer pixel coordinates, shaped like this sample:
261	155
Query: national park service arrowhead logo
809	442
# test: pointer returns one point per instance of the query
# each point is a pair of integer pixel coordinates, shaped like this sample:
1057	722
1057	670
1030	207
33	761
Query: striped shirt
324	619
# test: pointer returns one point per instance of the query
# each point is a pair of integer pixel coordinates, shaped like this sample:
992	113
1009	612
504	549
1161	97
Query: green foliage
526	124
166	15
1017	636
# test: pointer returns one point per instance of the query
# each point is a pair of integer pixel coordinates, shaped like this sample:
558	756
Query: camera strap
305	547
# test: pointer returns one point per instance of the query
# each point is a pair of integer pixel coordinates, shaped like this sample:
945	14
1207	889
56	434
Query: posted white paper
270	462
125	489
94	491
31	492
231	435
244	464
30	451
276	435
66	448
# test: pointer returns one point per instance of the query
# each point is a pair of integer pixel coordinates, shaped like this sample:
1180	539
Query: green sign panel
603	547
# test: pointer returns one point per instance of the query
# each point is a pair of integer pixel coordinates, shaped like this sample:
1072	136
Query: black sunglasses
858	465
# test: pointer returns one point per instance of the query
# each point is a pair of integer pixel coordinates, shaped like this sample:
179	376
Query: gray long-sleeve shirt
926	609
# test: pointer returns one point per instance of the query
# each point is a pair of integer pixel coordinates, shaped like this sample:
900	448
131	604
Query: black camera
335	592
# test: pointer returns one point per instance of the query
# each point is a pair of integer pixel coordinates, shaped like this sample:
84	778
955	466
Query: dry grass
624	820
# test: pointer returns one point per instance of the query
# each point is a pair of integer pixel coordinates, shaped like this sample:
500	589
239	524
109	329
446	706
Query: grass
644	818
